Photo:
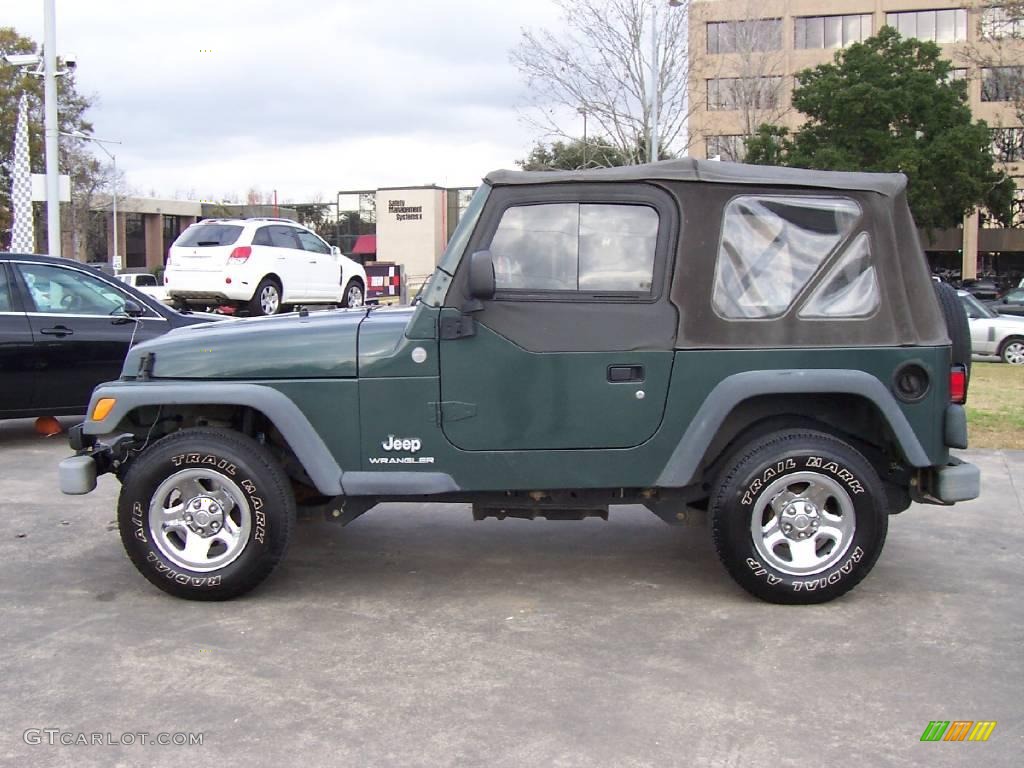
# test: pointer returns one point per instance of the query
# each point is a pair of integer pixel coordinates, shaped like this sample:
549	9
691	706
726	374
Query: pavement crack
1013	485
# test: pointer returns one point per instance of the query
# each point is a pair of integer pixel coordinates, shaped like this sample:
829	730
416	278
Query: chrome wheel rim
803	523
355	296
269	300
199	520
1014	353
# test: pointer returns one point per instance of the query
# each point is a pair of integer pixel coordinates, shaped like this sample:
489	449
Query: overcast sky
305	97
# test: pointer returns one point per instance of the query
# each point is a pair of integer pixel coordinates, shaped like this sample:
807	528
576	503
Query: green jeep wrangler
759	348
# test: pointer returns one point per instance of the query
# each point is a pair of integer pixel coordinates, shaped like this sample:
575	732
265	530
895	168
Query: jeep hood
293	346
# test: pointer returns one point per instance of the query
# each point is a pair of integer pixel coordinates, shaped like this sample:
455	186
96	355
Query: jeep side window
850	289
771	248
589	248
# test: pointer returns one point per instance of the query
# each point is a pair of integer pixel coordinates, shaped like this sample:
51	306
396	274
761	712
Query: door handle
623	373
58	331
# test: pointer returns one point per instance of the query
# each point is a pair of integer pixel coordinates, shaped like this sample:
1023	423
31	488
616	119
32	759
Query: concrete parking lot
417	637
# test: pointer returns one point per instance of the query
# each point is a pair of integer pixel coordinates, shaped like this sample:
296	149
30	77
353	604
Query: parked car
760	347
66	327
984	288
1012	303
262	265
992	333
145	283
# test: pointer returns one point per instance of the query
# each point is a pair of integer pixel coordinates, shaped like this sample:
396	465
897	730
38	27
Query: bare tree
92	186
752	79
600	64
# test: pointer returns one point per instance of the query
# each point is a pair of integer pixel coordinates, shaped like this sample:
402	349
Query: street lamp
652	150
113	194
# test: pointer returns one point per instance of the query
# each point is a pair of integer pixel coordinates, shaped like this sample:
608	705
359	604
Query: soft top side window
580	248
772	246
850	289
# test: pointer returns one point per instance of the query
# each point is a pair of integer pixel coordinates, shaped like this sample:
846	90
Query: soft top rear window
208	235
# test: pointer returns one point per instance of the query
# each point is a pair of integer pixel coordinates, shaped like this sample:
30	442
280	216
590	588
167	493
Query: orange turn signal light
103	408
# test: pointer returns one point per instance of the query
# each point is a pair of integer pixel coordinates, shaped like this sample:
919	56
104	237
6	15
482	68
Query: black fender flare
682	466
286	416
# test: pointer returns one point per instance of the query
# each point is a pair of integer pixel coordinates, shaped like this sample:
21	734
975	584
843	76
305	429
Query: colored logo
958	730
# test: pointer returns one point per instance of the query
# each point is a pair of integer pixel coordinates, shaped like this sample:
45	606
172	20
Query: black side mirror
481	275
132	309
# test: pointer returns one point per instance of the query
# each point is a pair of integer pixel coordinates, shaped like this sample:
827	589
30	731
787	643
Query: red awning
366	245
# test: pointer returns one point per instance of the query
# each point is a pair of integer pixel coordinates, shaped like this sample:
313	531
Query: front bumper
77	474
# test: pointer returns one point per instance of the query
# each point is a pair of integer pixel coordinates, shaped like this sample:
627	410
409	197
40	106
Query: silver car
992	333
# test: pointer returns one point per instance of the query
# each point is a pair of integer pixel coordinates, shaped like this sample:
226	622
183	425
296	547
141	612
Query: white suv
263	265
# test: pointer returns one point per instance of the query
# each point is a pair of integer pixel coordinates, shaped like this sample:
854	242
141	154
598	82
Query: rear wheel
799	517
1013	351
267	299
205	514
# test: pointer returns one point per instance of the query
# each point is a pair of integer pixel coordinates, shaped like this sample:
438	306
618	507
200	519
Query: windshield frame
434	290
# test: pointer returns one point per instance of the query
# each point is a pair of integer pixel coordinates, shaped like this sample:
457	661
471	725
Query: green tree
889	104
71	108
573	155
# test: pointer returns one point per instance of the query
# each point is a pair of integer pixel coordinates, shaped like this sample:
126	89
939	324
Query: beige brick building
745	53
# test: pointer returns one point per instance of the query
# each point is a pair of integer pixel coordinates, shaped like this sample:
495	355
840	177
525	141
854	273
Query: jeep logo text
411	444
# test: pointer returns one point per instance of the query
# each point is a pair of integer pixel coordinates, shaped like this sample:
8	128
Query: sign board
39	188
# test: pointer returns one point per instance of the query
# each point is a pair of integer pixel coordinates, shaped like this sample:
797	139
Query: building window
730	149
1008	145
997	23
748	36
938	26
172	228
134	241
832	31
744	92
988	221
1001	83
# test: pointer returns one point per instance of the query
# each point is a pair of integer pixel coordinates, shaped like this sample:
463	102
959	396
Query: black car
984	288
66	327
1011	304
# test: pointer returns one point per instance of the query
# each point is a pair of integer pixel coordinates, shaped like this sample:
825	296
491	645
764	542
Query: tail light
240	255
958	384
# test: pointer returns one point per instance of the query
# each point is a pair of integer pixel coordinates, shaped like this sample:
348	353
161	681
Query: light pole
50	125
583	111
652	150
113	194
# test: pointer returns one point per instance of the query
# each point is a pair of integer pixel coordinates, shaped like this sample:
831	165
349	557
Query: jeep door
574	351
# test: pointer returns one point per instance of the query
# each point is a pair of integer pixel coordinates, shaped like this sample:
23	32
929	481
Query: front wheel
353	295
206	514
799	517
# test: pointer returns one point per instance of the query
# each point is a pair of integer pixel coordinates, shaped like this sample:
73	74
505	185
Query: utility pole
51	127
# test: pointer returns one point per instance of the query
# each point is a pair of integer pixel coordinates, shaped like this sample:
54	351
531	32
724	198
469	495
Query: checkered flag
22	240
